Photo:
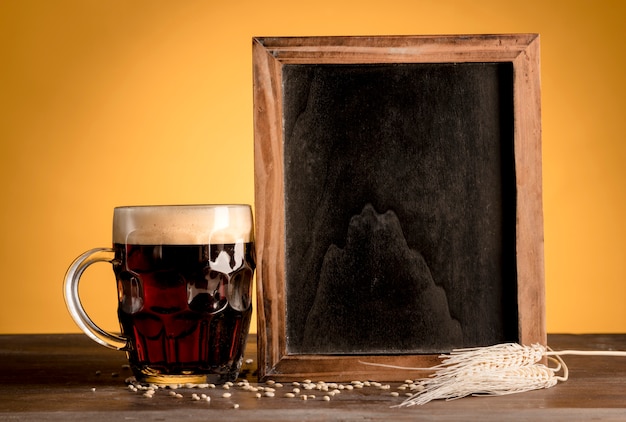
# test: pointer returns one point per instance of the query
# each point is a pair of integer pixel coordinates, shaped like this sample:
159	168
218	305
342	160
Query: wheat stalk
497	370
491	382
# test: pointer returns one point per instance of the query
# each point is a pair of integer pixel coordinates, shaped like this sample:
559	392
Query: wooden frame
270	56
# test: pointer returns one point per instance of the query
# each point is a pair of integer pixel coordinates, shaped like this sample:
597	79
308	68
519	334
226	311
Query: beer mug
184	282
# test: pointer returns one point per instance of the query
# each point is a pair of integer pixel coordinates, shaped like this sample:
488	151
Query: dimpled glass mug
184	282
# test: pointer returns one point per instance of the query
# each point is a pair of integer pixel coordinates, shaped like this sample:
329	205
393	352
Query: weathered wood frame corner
269	57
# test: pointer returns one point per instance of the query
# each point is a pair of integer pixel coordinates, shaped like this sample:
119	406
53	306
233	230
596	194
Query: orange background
107	103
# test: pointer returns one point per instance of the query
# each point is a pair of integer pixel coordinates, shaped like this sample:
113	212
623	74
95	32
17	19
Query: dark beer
185	309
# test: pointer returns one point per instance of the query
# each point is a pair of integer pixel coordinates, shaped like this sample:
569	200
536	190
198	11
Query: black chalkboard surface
400	204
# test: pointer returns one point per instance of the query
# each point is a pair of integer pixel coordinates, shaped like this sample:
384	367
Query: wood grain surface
55	378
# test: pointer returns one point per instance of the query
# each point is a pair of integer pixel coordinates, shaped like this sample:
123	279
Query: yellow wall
111	102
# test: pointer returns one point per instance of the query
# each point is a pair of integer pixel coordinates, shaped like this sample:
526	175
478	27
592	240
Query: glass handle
72	299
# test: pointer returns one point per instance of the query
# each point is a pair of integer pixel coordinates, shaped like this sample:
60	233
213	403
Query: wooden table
68	377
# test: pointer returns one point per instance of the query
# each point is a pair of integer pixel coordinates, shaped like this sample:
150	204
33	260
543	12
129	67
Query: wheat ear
501	369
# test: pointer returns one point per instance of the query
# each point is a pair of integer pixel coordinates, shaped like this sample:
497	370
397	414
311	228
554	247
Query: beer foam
182	224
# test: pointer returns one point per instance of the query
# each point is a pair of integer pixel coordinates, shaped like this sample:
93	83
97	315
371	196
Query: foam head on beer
182	225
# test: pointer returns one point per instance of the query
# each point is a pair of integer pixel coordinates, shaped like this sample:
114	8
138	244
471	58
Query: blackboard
397	200
399	207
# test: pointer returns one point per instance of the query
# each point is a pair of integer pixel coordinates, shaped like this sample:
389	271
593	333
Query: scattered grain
417	387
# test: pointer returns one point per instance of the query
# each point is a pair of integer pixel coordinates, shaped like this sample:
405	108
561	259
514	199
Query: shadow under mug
184	280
